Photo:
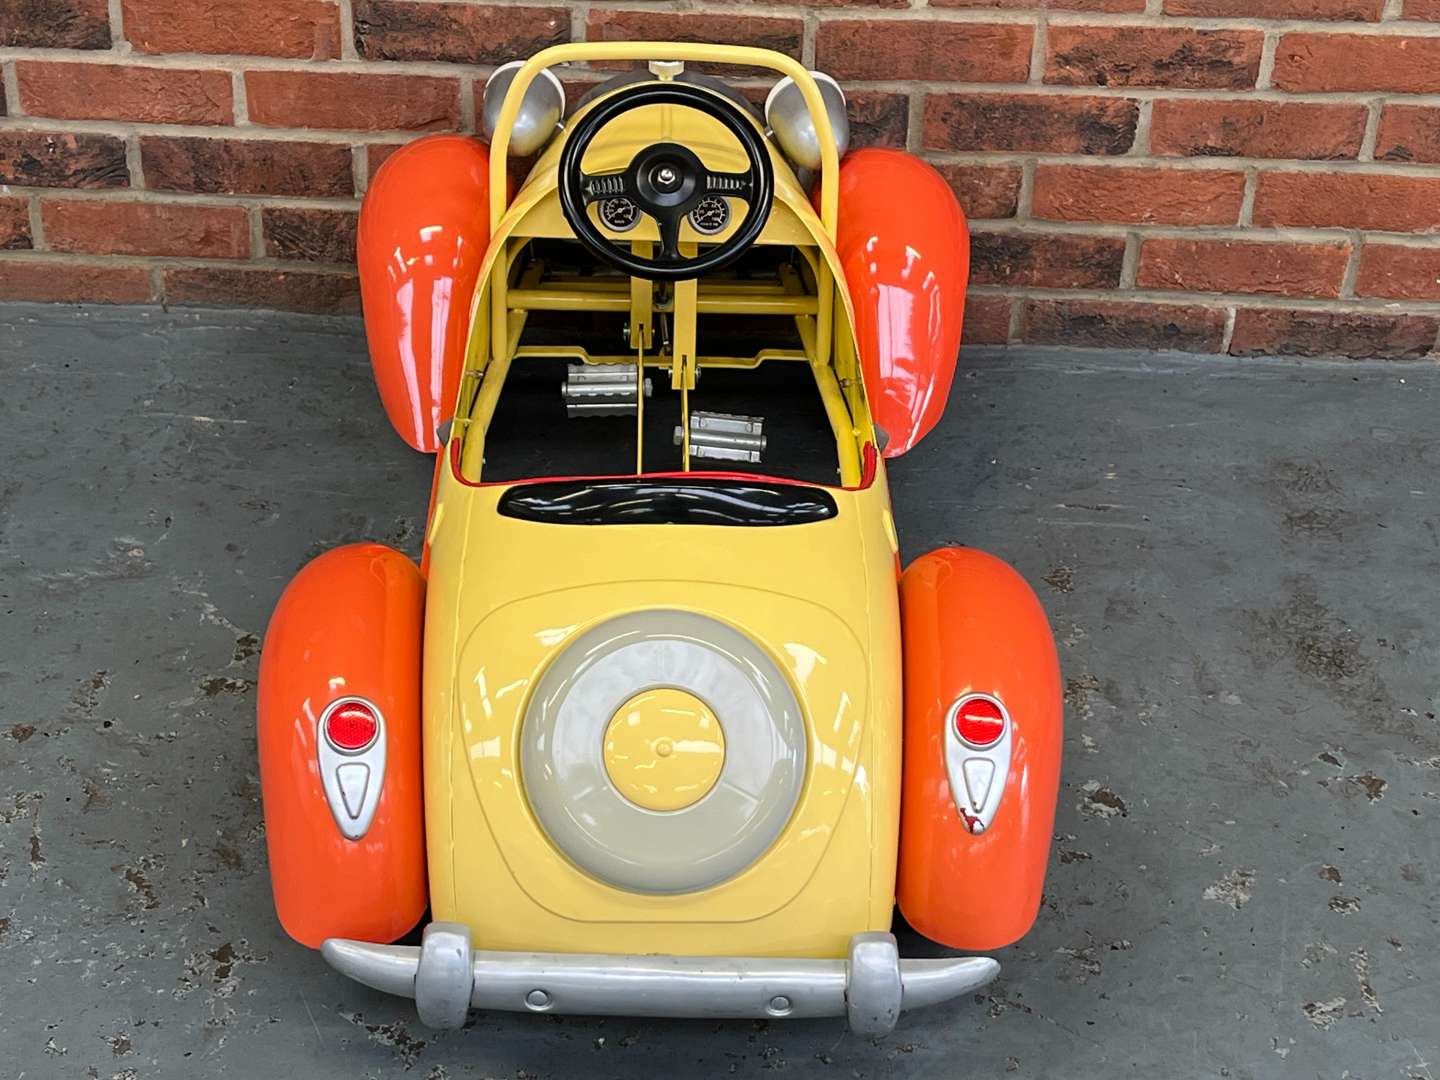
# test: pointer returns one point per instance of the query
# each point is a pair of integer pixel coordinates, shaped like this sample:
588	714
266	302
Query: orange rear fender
973	855
347	627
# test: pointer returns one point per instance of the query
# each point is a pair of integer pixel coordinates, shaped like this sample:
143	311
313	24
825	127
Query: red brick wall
1180	173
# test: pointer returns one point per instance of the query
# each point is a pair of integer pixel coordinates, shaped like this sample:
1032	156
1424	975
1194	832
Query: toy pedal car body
648	738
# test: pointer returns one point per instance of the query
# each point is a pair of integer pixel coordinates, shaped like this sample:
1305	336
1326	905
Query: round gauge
710	216
619	214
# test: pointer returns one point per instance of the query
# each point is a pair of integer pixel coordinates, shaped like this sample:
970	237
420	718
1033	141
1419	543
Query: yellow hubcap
664	749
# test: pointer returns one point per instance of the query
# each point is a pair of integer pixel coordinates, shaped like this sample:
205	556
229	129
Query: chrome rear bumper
447	978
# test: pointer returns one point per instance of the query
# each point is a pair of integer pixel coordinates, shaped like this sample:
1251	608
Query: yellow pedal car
657	726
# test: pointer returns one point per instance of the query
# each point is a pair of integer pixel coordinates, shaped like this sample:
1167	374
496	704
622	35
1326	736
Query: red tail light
351	725
979	721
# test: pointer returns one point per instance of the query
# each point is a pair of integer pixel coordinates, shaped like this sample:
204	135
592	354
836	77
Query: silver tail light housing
352	776
977	771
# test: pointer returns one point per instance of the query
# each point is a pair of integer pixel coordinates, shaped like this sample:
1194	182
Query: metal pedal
600	390
724	436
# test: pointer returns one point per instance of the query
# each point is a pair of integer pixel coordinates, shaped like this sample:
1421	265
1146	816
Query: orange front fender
424	226
349	625
905	248
971	625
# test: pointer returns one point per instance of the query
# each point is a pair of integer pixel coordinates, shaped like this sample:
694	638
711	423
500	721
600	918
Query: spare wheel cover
564	764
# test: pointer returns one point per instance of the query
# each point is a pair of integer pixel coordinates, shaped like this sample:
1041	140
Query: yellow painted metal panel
819	598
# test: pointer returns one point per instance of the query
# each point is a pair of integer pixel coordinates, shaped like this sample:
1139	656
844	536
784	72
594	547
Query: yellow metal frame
498	318
591	51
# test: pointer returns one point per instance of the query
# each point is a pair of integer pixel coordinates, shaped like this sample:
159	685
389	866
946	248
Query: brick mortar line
254	132
1408	170
1391	10
1373	110
1269	47
1247	199
346	17
1018	295
37	224
1169	22
1153	15
1271	28
458	71
468	122
1025	199
914	121
1227	336
115	13
242	62
1352	266
201	199
1144	120
1344	304
809	31
941	88
1039	48
1016	330
1277	235
1351	306
579	17
1130	262
1410	28
172	262
439	69
133	163
360	169
446	69
1158	296
240	99
1020	223
123	128
11	82
1149	20
255	217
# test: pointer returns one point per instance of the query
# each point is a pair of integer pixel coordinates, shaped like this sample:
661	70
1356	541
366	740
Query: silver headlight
789	119
540	113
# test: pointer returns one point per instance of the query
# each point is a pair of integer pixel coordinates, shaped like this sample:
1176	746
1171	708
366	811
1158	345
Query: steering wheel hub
666	175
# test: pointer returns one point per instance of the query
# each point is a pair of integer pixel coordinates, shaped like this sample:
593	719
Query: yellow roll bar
668	50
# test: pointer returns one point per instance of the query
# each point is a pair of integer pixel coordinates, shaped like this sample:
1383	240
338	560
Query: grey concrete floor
1242	564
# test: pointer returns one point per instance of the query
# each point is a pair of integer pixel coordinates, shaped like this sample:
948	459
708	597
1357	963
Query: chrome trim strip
871	986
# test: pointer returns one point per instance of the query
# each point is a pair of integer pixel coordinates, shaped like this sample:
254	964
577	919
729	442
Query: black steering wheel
668	182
